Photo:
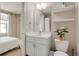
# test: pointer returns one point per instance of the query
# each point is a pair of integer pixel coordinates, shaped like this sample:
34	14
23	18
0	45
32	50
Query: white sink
41	35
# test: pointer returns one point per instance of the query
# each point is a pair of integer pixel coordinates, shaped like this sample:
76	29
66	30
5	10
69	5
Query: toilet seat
60	53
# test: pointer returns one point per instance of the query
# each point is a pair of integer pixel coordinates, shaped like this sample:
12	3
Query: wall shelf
63	9
64	20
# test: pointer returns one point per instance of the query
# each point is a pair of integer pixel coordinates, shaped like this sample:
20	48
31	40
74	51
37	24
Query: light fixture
41	6
38	6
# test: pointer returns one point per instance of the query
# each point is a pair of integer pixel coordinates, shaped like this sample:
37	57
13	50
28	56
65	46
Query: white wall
29	16
14	7
77	26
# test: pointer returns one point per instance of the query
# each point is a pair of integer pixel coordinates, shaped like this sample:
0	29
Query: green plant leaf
62	32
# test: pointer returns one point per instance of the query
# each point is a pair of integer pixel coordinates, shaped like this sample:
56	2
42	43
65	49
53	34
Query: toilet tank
61	45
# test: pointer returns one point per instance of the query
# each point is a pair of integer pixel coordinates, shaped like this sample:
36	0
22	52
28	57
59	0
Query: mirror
44	13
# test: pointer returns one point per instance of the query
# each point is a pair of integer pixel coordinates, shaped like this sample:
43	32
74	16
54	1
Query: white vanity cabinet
37	45
30	48
41	50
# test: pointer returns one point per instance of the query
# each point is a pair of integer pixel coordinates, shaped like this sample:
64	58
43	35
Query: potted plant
61	32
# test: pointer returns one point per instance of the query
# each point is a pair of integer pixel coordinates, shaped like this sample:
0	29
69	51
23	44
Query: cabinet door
41	50
30	48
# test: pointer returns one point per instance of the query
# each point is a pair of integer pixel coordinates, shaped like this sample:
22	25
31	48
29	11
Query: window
4	20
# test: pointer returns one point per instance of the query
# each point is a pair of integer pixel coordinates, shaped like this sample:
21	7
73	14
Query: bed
8	43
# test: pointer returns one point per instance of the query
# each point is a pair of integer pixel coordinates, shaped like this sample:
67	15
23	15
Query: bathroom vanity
38	44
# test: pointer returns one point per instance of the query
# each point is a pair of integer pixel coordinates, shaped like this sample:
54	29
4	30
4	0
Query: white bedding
8	43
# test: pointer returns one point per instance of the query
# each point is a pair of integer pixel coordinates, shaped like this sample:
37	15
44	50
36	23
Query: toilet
61	47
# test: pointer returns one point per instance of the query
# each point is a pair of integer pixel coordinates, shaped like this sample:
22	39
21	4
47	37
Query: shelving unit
64	9
64	20
64	14
64	17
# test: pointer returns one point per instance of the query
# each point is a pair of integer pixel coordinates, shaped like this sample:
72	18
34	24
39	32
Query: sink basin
41	35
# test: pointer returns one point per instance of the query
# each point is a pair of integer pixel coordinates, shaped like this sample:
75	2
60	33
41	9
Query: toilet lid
60	53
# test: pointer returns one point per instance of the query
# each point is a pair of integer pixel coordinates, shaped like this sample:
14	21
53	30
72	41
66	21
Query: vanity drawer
41	40
30	39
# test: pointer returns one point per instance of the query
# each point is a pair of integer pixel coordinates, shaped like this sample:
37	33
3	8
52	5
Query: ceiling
55	5
13	7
